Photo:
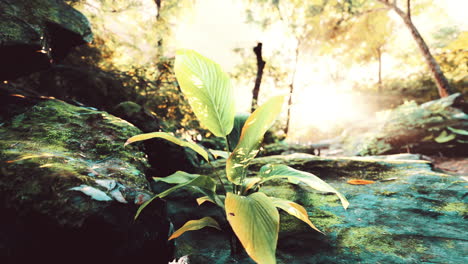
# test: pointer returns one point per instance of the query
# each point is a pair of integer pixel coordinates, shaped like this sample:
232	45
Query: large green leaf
252	134
255	221
270	172
203	182
170	138
208	90
203	199
219	153
177	177
195	225
234	136
181	177
294	209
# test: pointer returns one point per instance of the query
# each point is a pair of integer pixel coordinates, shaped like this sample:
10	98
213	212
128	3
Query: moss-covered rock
431	128
33	32
68	182
411	214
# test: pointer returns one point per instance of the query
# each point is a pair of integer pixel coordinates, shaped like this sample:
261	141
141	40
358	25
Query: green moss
450	244
315	199
61	125
37	12
377	239
55	146
311	200
284	192
385	193
324	219
460	208
289	223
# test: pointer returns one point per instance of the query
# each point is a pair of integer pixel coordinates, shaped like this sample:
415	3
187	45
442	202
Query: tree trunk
291	91
379	54
439	77
260	66
160	43
442	84
158	8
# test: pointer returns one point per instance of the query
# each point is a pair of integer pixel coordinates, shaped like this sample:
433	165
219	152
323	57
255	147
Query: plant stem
227	146
234	187
219	177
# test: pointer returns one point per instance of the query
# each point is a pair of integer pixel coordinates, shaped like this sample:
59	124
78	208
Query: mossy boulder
281	148
137	115
35	32
410	214
439	126
69	189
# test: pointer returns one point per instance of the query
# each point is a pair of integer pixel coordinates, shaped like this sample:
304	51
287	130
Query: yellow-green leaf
295	210
234	136
177	177
250	183
203	182
170	138
195	225
208	90
270	172
445	137
252	134
458	131
203	199
255	221
219	153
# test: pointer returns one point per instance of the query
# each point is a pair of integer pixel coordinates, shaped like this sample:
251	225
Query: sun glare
318	112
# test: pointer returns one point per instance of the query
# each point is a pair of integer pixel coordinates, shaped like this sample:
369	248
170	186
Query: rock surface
431	128
69	190
284	149
35	32
411	214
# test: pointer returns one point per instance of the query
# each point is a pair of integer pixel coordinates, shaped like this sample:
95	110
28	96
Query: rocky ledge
69	189
409	214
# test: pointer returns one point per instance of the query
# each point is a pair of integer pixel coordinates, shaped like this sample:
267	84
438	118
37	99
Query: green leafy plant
252	215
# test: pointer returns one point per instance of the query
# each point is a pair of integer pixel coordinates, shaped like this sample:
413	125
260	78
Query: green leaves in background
295	210
204	183
454	133
195	225
445	137
458	131
252	134
208	90
170	138
270	172
255	221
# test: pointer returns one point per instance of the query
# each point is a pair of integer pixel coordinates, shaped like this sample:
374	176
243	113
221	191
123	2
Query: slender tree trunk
442	84
260	66
158	8
291	91
160	43
439	77
379	54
